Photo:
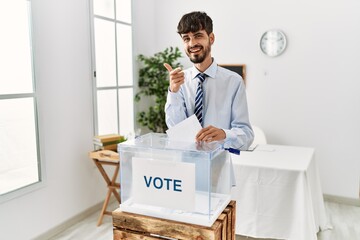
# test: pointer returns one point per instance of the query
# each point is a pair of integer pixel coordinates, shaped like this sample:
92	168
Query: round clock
273	43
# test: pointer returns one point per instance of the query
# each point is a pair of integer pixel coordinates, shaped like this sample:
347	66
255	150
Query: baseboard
342	200
70	222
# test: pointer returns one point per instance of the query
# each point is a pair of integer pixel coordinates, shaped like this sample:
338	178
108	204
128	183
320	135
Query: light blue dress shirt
225	104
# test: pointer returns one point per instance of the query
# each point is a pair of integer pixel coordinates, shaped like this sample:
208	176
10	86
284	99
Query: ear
212	38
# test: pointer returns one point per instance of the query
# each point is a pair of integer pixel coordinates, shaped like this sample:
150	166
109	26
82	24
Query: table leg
112	185
103	210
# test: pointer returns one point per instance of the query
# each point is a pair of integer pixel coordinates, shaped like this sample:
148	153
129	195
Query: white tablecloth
278	193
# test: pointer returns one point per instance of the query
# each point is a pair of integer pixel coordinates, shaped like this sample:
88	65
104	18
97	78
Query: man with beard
224	111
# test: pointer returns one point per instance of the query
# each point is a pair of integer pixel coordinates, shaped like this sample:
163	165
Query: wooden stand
134	226
107	157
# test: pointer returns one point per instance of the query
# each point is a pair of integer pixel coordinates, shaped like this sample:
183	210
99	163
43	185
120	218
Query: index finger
168	67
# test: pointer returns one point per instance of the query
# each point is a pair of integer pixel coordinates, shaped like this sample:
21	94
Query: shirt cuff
234	140
230	136
174	98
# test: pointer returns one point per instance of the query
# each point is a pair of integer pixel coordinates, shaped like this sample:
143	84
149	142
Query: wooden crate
135	226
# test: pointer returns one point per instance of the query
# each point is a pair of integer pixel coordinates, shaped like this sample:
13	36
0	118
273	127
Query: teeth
195	50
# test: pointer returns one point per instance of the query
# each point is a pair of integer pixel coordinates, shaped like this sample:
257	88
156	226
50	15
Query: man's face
197	45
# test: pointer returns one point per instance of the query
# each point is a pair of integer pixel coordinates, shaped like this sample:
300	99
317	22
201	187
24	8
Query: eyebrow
198	33
184	35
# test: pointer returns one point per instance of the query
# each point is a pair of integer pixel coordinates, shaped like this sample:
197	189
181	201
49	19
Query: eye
186	39
199	35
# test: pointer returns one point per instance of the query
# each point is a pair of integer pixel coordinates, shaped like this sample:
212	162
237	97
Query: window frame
117	87
33	95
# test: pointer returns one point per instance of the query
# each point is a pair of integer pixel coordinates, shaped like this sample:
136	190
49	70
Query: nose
192	42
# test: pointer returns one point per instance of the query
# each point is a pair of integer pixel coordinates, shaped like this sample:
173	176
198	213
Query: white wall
144	41
62	59
306	97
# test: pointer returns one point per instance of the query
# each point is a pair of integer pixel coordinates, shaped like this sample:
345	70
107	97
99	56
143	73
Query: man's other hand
210	134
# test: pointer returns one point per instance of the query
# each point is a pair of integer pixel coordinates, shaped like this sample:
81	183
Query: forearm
240	133
175	111
240	137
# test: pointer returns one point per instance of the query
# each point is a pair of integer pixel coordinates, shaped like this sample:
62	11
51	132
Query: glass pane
125	60
105	53
123	10
126	110
15	50
18	154
104	8
107	111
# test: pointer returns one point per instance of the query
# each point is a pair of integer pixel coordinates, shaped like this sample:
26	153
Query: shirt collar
210	71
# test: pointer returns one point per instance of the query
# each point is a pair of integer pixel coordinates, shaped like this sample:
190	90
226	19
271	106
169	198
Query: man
222	110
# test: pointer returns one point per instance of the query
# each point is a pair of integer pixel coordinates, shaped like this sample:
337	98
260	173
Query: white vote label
164	183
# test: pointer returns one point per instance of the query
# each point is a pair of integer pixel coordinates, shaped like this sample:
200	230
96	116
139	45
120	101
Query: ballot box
174	180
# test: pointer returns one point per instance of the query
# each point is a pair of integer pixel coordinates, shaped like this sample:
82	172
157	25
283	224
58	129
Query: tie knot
201	76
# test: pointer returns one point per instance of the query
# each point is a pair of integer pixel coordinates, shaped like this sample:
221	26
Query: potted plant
154	82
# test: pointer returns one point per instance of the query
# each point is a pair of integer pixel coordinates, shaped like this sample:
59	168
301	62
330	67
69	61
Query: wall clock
273	42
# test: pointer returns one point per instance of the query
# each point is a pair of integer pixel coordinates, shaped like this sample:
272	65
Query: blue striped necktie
199	98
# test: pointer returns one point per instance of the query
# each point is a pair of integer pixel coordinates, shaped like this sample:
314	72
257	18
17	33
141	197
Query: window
19	148
113	66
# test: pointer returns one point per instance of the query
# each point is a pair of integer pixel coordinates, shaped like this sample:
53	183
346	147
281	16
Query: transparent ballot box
186	182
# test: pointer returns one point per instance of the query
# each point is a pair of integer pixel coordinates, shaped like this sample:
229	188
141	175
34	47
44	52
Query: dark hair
194	22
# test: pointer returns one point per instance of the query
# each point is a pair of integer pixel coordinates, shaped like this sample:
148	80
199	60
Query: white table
278	193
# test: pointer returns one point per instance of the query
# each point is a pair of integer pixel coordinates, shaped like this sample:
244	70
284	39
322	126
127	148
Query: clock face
273	43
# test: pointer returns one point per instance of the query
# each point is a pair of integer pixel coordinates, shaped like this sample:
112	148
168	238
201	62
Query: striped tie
199	98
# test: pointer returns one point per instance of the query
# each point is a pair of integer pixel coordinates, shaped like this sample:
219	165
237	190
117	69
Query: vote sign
164	183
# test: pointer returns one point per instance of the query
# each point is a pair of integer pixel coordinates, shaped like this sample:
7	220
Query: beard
201	56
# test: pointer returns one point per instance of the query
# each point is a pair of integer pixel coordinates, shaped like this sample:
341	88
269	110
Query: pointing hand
176	77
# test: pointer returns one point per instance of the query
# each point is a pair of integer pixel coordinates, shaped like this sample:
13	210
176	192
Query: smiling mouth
195	49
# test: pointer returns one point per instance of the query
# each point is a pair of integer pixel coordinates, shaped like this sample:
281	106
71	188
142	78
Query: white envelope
185	131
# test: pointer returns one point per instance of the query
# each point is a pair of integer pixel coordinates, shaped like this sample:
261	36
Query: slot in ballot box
186	182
